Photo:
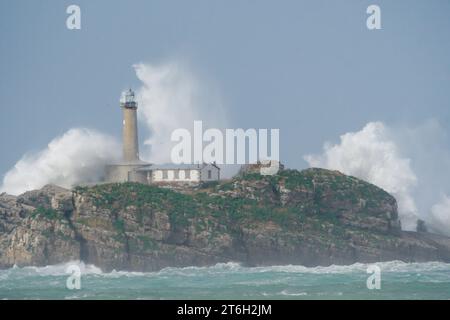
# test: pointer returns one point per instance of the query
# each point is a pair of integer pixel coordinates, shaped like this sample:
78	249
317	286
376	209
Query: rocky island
310	217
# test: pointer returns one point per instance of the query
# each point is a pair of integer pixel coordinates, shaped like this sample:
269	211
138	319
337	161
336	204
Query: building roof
129	163
172	166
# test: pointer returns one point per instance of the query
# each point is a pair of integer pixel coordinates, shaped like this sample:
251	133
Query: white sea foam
78	156
229	268
173	96
410	162
295	294
50	270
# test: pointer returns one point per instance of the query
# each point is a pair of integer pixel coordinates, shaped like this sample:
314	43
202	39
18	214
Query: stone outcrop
313	217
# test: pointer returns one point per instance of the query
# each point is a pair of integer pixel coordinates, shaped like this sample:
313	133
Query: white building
182	173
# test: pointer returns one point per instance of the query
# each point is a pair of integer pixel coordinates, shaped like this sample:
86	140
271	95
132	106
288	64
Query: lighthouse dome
128	99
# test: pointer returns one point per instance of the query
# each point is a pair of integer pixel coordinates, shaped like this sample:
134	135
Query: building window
209	174
165	175
176	174
187	174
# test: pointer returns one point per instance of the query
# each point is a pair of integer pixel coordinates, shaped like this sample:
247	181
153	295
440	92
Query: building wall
116	173
215	173
179	175
138	176
128	173
124	173
195	175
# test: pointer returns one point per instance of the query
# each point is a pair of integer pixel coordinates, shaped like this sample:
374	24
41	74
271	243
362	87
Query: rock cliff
310	217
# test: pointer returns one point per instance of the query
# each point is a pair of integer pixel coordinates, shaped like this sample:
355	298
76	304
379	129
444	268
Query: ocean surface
398	280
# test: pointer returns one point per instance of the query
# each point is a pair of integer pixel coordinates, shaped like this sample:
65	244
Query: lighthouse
132	169
126	169
129	131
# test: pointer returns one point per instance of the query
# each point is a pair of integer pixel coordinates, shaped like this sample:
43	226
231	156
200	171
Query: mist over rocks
411	162
77	156
311	217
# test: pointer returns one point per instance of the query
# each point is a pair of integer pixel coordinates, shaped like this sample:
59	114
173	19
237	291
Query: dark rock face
313	217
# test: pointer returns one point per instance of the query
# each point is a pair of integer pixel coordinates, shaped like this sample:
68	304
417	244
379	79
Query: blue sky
310	68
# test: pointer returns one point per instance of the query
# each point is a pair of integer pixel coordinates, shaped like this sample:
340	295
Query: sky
310	68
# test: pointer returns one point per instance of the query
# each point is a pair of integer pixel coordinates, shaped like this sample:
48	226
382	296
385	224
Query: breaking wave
229	267
231	280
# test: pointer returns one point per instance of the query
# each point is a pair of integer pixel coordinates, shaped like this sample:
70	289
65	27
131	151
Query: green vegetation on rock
47	213
310	217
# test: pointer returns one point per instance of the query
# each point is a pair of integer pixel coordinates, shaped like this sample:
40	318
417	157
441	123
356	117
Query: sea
75	280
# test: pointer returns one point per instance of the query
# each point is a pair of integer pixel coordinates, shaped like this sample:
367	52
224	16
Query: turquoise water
231	281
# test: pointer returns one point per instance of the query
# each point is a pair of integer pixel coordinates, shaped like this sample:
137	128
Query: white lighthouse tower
130	131
126	169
